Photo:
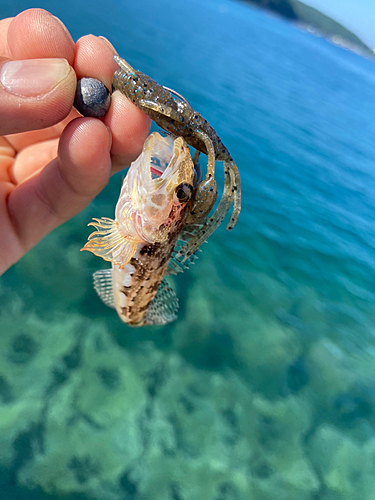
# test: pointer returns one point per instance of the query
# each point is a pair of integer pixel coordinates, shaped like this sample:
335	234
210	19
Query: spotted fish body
136	284
149	217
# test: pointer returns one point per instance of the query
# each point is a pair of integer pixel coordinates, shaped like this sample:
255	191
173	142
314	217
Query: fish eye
183	192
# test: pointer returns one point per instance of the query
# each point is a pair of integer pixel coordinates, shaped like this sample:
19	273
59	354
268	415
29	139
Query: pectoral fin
108	243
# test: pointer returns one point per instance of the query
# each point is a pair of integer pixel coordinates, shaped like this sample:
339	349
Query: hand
55	162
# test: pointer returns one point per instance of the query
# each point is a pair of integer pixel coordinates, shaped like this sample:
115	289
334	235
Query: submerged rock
91	430
297	375
339	461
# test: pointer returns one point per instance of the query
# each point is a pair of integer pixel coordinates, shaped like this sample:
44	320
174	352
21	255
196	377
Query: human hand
55	162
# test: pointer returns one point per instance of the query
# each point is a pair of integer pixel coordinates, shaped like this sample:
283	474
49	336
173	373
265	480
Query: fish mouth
160	154
156	167
165	163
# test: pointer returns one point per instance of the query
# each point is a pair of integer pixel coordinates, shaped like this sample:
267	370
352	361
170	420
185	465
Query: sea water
264	388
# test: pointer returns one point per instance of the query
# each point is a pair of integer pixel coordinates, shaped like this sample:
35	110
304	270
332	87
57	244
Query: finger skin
128	124
21	114
66	185
94	59
10	248
31	159
25	139
7	155
4	49
130	128
36	34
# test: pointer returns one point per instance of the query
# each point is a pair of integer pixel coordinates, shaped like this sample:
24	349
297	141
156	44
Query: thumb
34	93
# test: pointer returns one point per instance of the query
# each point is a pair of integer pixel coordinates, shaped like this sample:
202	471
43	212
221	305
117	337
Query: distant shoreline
315	22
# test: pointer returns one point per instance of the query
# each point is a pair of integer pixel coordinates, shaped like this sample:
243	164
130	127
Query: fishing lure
171	112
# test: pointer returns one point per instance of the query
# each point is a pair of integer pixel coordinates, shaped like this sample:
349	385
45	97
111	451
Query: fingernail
33	77
108	43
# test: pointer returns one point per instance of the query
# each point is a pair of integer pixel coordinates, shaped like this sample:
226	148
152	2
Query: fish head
157	188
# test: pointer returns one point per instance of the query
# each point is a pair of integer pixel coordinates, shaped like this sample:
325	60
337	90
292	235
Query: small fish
154	203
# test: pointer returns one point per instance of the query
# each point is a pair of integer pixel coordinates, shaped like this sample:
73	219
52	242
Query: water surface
265	386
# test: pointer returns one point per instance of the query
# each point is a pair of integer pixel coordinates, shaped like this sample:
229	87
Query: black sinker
92	98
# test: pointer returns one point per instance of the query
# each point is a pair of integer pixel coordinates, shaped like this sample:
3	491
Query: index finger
36	34
128	124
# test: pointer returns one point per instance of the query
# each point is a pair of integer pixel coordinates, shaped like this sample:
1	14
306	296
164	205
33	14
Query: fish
155	202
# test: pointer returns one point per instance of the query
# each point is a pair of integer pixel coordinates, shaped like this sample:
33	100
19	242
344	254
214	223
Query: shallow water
265	386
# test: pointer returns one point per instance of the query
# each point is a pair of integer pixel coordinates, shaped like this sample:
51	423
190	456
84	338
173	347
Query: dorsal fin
176	263
181	258
108	243
164	306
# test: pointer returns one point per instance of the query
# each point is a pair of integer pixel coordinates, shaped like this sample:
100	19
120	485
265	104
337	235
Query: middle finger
31	159
25	139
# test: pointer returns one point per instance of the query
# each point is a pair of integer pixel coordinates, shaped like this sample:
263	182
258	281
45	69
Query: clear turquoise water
265	386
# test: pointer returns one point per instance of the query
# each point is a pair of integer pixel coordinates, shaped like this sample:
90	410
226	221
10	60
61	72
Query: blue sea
264	388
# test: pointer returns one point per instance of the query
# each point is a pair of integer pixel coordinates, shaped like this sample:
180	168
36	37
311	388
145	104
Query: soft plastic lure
171	112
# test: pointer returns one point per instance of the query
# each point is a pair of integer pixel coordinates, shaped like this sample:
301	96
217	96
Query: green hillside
325	24
299	12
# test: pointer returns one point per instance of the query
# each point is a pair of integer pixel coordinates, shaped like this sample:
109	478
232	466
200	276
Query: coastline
316	23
